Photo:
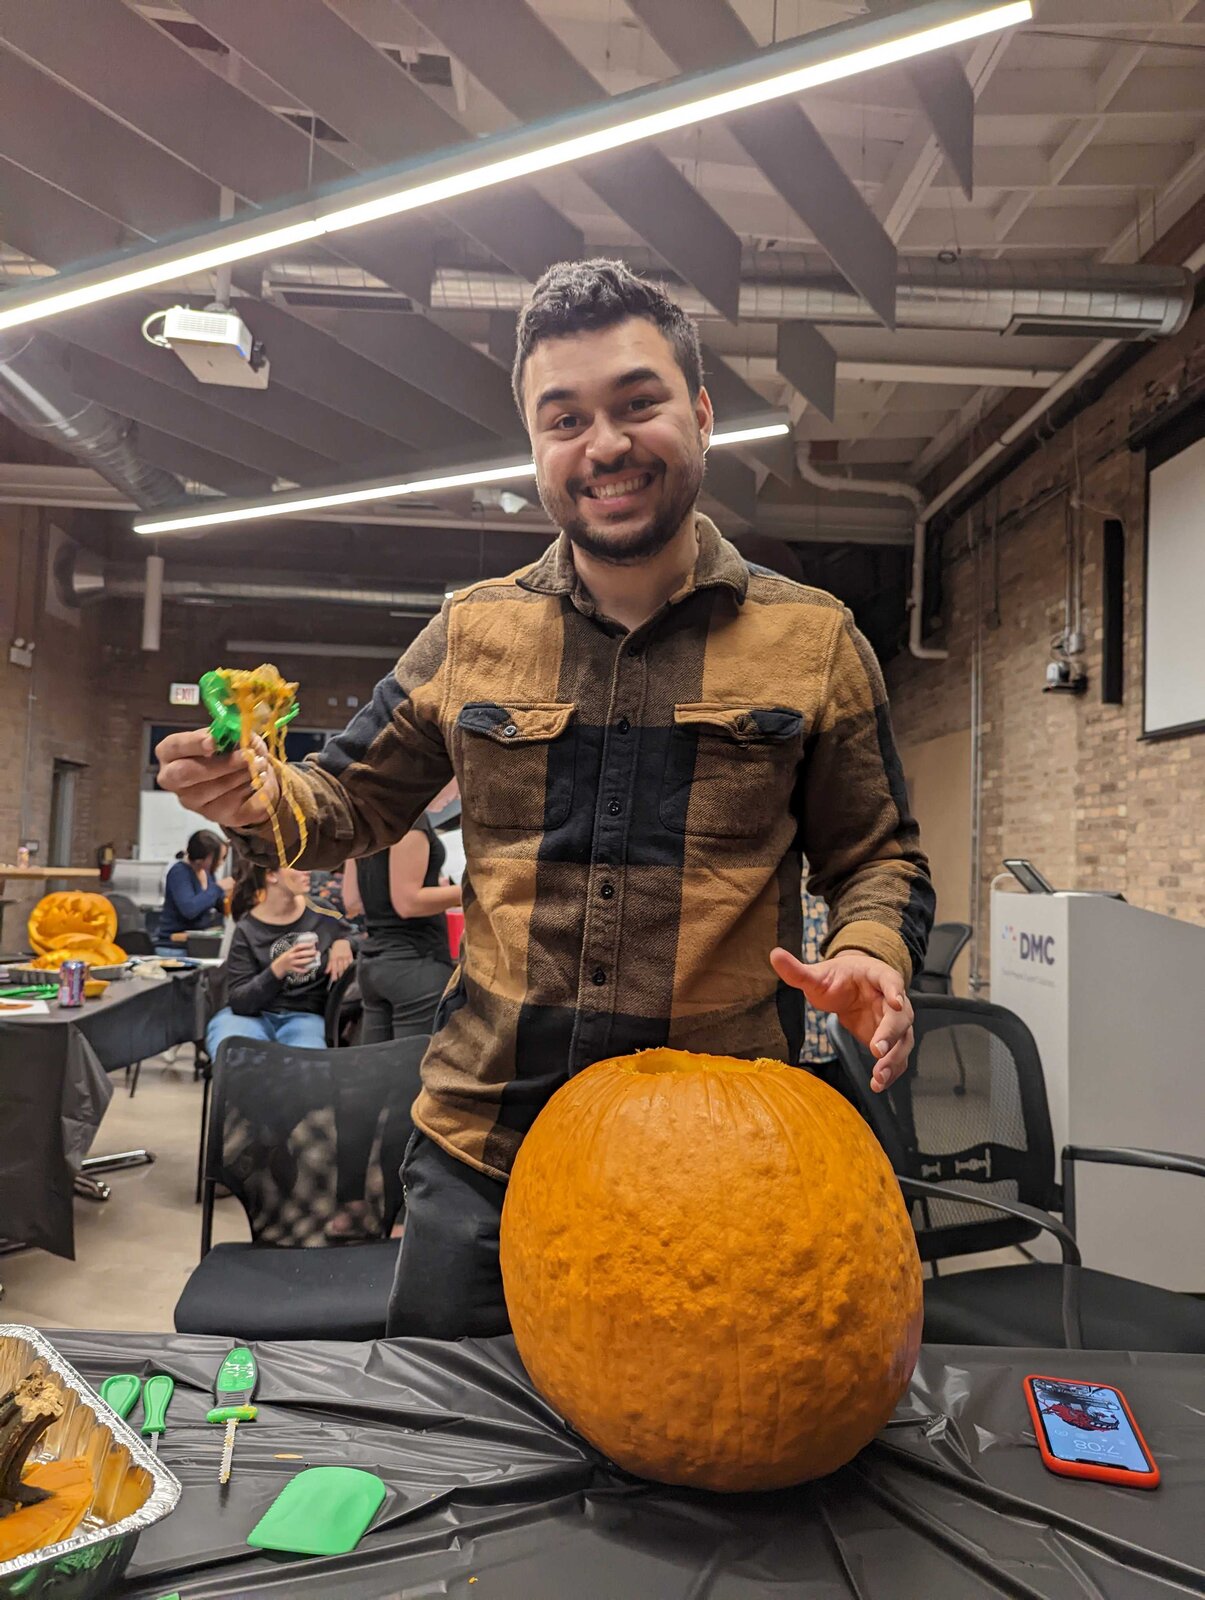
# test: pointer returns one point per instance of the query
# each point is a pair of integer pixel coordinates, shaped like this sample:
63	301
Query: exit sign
185	694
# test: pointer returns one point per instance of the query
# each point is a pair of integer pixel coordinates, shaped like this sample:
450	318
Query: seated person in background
193	895
283	957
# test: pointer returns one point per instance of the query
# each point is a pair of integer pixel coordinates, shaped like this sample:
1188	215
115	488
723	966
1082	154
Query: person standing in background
403	968
404	963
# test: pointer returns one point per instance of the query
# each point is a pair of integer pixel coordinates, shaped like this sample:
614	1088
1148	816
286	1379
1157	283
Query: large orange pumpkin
59	917
710	1270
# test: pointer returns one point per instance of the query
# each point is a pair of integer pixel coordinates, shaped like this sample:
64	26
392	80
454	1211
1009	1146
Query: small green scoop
323	1511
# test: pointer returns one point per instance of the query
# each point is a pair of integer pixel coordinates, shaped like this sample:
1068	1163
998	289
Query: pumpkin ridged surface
710	1271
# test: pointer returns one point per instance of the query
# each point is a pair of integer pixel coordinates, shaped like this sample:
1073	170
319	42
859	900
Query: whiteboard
164	826
1175	583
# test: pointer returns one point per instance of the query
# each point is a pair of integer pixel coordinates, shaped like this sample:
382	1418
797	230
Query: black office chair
344	1009
946	944
132	933
296	1135
979	1172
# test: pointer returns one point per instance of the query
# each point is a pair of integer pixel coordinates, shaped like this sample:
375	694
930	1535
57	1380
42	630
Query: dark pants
448	1283
400	994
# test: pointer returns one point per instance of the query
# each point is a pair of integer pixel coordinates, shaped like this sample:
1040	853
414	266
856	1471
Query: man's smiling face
617	437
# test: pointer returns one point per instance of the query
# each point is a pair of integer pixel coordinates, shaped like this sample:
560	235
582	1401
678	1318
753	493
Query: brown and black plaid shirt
635	805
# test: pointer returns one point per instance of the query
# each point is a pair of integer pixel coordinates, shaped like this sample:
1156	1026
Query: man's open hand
217	786
868	997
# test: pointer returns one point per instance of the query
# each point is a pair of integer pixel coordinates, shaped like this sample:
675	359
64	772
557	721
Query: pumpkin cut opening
654	1062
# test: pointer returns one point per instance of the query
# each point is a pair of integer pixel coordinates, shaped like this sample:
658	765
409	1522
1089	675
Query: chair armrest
1120	1156
1125	1156
915	1189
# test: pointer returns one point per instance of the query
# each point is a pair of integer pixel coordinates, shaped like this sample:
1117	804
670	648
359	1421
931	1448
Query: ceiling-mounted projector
215	345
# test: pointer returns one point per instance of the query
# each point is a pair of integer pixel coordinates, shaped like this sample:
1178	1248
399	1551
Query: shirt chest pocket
730	769
515	762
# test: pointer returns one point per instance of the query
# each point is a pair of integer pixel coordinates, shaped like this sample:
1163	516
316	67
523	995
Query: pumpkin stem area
654	1062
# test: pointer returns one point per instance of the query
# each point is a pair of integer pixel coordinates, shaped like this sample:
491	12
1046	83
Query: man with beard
648	732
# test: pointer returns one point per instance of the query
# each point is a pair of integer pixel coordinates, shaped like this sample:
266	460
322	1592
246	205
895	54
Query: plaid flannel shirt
634	810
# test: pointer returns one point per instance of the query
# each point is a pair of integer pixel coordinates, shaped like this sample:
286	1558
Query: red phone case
1082	1469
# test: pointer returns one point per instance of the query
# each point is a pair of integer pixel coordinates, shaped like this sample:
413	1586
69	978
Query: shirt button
510	730
607	891
600	976
624	725
633	649
614	808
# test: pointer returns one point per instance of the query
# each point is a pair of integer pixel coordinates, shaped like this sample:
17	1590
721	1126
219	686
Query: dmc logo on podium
1037	947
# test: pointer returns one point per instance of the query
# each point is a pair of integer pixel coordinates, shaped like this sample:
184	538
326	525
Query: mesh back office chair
296	1135
132	933
993	1144
946	944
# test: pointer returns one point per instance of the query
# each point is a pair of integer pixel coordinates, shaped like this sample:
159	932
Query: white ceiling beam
1107	16
1124	61
920	159
762	369
972	377
959	425
1158	214
1079	230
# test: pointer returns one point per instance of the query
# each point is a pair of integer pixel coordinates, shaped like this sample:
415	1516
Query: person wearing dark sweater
283	957
193	895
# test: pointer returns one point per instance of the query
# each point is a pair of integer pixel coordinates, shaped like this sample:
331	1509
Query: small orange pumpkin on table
710	1271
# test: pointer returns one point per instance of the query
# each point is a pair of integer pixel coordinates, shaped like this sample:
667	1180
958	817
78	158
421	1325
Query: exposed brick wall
1068	780
92	692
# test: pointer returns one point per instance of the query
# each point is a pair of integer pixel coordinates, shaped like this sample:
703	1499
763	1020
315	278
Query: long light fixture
826	56
224	512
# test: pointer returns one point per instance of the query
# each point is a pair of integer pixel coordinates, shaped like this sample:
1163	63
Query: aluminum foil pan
133	1487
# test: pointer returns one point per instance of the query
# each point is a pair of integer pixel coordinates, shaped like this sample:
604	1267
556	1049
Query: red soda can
72	975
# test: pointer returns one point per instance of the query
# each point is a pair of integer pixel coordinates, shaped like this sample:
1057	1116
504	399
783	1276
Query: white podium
1113	996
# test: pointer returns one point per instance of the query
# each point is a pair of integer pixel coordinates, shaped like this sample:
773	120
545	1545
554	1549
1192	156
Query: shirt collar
719	565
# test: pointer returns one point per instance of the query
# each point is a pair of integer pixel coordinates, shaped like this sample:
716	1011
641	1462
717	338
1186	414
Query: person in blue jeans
283	958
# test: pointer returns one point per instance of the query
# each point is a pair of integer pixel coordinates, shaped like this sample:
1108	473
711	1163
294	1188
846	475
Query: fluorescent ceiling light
298	504
766	430
805	63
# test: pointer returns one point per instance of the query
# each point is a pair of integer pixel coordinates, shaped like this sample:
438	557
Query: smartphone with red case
1086	1430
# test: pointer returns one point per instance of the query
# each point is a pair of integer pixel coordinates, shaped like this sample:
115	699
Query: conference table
490	1496
55	1086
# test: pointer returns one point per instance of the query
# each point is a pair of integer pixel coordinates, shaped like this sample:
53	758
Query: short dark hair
203	844
580	296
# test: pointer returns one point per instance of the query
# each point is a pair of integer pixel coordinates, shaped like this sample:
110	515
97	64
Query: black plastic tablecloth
54	1088
486	1483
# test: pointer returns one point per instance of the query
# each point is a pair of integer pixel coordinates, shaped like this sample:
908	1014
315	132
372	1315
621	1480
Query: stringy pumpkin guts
264	704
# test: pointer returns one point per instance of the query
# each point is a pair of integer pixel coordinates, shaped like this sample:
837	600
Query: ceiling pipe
1140	300
83	578
896	489
35	394
152	603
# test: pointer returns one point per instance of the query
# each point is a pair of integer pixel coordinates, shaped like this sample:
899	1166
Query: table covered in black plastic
55	1085
491	1497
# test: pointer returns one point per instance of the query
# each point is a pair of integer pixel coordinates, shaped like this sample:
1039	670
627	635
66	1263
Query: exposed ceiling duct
1053	298
36	394
1077	299
82	578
